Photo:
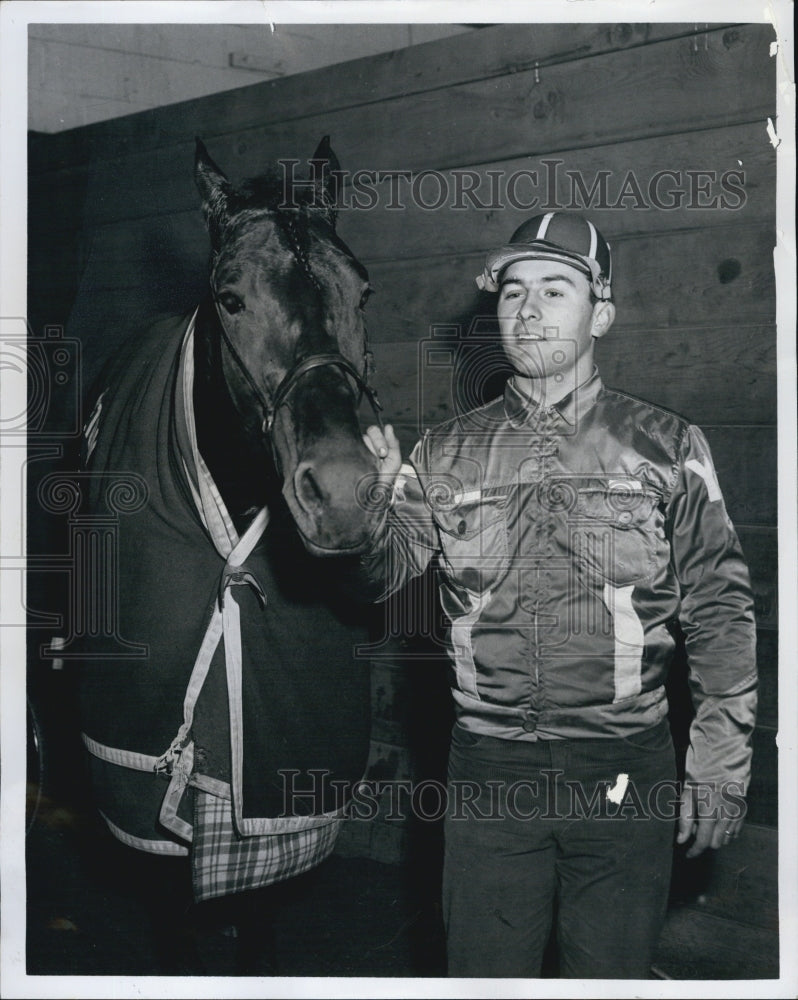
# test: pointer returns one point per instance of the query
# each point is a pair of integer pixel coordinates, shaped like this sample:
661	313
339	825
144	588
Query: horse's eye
231	303
365	297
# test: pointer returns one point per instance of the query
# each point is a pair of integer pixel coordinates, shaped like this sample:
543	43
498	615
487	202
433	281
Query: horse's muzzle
335	503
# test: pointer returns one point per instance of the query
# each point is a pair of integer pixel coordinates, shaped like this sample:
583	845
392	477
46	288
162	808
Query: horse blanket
236	734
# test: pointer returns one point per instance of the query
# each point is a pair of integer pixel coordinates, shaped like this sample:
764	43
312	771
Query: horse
225	713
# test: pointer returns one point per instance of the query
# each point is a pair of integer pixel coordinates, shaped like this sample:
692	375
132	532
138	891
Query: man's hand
707	815
385	448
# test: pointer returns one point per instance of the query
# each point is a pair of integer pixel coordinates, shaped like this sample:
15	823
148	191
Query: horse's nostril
308	489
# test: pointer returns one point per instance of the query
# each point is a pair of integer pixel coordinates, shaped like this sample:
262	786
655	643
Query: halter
321	360
301	368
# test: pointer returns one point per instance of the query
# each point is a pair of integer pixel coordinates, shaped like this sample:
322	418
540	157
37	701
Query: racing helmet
560	236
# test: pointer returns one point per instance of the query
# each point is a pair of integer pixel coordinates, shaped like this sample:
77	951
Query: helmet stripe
544	225
593	240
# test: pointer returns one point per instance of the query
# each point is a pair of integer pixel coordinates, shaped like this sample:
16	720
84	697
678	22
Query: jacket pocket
657	739
473	536
615	530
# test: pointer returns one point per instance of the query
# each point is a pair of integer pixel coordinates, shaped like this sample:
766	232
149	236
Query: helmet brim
501	258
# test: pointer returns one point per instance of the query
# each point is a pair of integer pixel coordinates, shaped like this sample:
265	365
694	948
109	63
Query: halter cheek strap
293	375
262	401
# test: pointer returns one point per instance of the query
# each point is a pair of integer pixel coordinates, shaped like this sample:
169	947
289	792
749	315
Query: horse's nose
311	493
329	497
328	487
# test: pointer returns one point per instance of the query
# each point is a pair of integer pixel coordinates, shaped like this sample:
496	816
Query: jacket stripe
462	650
629	641
707	473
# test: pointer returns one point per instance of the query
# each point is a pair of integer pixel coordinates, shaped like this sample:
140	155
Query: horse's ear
214	188
326	173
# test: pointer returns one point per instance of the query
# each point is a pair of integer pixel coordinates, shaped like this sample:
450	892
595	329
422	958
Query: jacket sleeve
405	540
717	617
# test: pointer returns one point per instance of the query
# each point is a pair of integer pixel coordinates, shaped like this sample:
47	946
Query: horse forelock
300	213
275	191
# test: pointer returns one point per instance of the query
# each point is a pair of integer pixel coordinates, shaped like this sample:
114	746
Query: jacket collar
523	410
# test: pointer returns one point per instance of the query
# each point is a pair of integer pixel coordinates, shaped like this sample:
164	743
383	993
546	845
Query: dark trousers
532	830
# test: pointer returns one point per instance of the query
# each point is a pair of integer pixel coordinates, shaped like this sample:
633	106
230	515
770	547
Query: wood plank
490	52
702	946
461	225
506	193
520	114
746	462
683	278
760	547
690	381
175	244
692	370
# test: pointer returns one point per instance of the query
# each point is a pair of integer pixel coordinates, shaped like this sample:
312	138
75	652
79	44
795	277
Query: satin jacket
571	540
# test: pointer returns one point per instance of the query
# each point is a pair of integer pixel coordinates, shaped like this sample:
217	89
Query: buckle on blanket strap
169	760
237	576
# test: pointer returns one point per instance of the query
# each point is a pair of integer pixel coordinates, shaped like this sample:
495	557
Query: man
575	526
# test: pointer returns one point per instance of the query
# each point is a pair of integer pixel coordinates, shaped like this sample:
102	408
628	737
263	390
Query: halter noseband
321	361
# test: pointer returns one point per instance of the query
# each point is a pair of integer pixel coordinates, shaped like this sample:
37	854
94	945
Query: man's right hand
384	446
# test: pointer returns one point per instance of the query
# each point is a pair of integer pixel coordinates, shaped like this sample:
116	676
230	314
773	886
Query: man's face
546	319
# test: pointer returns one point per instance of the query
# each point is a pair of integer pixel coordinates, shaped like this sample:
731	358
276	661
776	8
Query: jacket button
529	725
461	527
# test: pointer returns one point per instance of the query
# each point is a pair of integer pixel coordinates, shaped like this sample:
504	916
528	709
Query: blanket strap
178	759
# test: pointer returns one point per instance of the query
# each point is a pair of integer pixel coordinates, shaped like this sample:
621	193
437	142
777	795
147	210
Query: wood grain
662	280
507	192
761	551
493	51
504	117
745	459
737	185
115	236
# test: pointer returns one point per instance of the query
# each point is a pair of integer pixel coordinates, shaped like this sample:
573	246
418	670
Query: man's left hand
705	815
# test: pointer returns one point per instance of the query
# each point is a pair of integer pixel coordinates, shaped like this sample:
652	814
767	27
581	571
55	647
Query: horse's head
289	298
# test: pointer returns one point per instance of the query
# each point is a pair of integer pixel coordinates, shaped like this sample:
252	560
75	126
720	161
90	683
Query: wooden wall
84	73
115	234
